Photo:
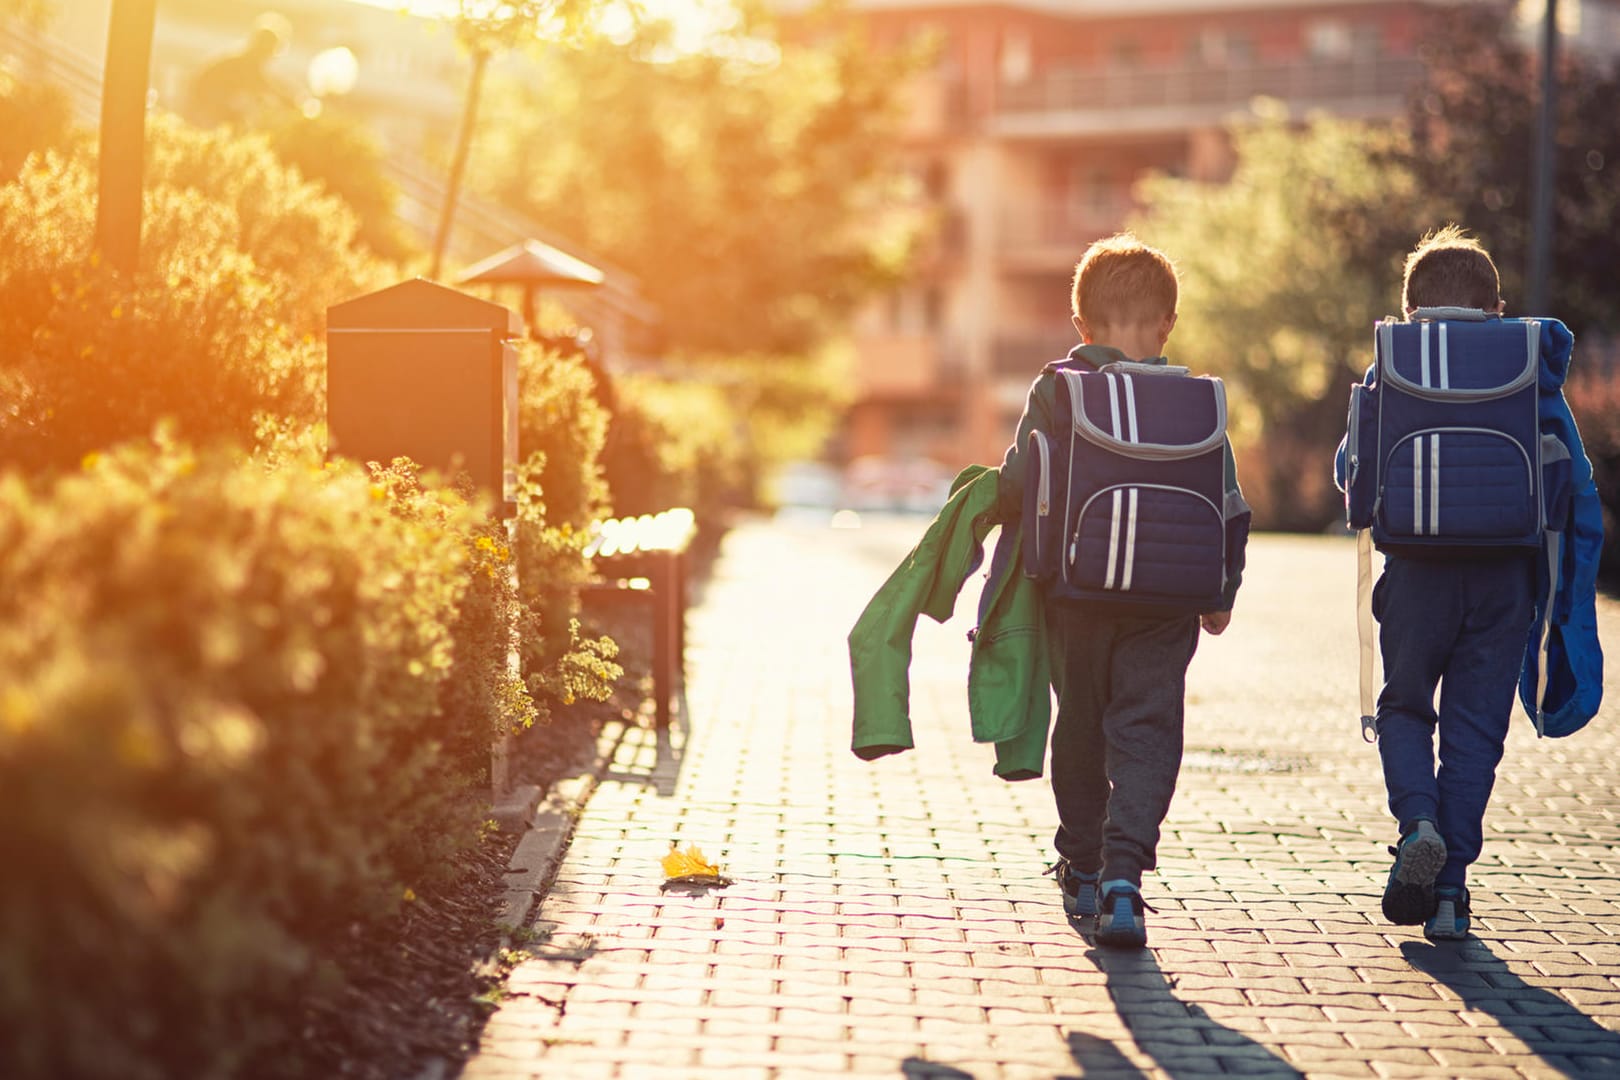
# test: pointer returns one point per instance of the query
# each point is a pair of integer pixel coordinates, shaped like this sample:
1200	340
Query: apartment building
1028	135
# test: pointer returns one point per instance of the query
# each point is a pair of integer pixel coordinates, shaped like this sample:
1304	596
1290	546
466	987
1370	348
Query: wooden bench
645	558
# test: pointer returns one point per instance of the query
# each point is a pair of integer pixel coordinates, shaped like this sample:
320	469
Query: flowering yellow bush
242	708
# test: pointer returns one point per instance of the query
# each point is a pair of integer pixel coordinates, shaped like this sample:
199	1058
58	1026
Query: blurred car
805	484
906	485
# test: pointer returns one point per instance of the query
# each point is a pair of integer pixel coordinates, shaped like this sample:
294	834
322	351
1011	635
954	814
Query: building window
1217	48
1017	59
1328	39
1125	51
1367	39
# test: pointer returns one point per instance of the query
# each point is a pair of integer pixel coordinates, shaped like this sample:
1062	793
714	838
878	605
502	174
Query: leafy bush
1593	392
676	444
560	418
34	117
224	738
559	665
342	156
239	260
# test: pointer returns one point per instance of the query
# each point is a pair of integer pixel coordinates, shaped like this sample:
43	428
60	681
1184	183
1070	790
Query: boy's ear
1080	327
1165	327
1501	306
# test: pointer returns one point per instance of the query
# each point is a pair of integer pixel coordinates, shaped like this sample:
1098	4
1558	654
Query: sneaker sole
1131	935
1409	896
1436	930
1134	937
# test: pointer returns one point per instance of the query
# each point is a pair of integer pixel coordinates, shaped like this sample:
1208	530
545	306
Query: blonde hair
1449	268
1122	280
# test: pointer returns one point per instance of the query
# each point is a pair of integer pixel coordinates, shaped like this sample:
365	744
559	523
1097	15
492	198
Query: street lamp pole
1541	205
123	133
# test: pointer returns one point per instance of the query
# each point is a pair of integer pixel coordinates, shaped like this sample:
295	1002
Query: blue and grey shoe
1450	919
1409	893
1079	889
1121	924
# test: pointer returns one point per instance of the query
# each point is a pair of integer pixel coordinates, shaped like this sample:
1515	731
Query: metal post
458	163
1541	204
123	133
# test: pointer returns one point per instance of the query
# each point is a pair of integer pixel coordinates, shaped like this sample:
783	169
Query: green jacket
1009	701
1038	411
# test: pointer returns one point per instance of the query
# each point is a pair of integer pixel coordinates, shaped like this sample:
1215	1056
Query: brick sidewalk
891	918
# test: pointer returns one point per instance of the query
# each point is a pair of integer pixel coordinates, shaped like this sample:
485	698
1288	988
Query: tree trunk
458	163
123	133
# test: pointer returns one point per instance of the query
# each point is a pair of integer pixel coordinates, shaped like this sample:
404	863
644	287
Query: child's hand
1215	621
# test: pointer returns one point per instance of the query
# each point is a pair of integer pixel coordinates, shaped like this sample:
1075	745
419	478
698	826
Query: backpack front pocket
1470	484
1156	540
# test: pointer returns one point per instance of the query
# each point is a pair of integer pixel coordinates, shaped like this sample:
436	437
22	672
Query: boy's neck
1131	350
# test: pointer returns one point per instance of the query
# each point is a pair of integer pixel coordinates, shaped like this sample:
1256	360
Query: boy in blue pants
1459	624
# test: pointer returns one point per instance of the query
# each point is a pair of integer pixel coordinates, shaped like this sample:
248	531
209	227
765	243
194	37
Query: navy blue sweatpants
1461	626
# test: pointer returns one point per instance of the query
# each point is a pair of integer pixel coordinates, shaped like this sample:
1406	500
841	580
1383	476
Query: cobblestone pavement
891	918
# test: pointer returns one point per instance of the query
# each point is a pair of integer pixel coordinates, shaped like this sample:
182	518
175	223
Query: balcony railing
1060	229
1202	86
1025	354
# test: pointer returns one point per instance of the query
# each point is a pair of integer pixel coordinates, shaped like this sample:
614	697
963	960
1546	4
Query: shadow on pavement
662	770
1181	1038
915	1068
1566	1038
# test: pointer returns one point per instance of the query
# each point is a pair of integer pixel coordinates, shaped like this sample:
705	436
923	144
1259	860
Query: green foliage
34	117
1593	392
345	158
221	323
1284	271
1473	121
676	444
223	740
753	196
560	418
558	664
489	26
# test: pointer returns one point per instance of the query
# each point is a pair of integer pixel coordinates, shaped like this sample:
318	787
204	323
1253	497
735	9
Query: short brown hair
1449	268
1122	280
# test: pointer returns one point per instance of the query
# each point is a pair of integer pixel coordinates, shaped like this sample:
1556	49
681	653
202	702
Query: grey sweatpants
1116	742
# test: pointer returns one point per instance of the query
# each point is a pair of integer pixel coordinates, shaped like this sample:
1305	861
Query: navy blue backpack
1444	447
1444	453
1126	506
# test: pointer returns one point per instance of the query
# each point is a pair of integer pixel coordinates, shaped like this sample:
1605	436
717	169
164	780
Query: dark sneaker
1079	890
1409	894
1121	924
1450	919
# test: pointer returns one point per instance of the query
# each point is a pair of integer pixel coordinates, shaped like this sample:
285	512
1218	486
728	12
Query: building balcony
1130	100
1049	237
935	106
1023	355
911	367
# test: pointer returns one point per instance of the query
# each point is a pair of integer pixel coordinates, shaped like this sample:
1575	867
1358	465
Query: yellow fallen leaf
689	867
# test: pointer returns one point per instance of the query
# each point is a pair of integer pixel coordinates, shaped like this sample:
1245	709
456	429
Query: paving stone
890	918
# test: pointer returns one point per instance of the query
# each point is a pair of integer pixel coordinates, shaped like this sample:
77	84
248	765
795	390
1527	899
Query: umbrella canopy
532	263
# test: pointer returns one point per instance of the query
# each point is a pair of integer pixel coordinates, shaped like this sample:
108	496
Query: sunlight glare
695	21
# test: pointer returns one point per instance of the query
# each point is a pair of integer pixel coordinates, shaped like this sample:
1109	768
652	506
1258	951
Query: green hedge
241	709
240	259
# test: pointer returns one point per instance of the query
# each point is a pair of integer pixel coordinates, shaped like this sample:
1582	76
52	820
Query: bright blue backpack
1126	506
1444	448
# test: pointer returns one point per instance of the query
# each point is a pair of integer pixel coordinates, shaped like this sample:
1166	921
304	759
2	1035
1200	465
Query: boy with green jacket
1120	678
